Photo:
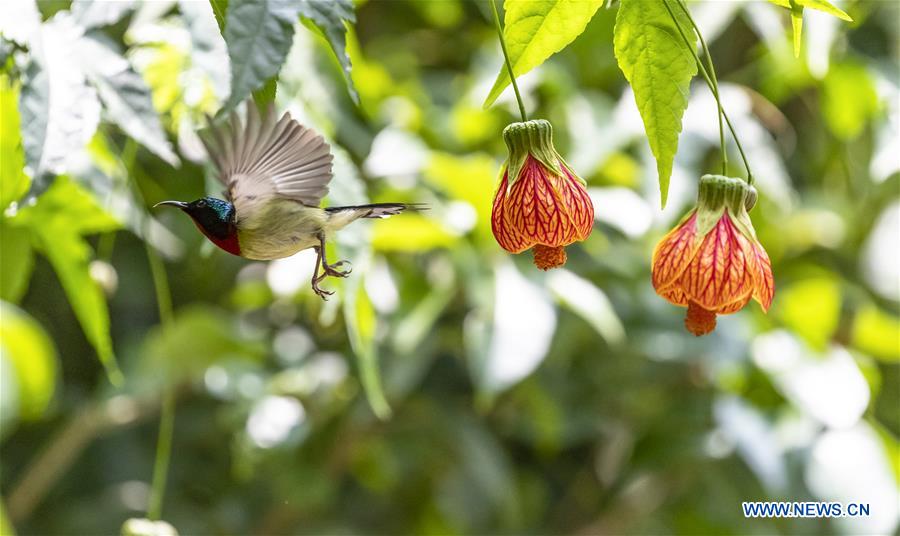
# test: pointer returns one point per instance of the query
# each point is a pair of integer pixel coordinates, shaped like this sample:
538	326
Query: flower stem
509	69
164	305
711	82
712	74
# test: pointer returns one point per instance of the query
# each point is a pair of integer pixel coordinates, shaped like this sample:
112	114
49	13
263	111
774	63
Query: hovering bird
276	173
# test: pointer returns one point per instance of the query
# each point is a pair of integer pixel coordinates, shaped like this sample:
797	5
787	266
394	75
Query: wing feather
263	157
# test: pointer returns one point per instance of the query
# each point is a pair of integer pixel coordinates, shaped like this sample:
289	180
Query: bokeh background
514	401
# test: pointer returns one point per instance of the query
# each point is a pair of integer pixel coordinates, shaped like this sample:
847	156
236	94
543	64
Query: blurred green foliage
448	387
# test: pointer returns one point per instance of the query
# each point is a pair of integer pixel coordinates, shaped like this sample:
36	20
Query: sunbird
275	174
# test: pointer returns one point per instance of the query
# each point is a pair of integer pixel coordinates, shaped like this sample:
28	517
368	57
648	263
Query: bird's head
215	217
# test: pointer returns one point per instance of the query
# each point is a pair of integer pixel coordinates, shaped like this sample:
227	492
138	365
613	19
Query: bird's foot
332	269
322	293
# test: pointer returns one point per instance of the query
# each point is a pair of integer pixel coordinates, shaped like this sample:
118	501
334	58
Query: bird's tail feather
339	217
376	210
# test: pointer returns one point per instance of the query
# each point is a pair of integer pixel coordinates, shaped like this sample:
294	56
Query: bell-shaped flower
540	204
712	262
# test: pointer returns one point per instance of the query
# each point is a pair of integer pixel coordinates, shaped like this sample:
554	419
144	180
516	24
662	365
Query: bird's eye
201	203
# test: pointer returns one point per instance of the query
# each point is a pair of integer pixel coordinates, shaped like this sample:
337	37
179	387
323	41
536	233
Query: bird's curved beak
178	204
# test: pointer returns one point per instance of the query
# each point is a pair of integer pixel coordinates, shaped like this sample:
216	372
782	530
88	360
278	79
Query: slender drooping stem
715	81
710	81
164	305
509	69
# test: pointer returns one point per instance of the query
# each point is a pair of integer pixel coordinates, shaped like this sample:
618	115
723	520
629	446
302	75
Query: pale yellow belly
280	230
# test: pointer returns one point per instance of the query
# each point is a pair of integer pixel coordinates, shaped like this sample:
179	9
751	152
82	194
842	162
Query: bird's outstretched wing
266	158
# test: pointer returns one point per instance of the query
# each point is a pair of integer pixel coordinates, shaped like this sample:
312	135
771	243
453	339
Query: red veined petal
734	306
578	204
763	282
720	272
673	254
674	295
535	209
508	238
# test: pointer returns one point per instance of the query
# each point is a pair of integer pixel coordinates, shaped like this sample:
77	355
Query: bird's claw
329	270
322	293
334	272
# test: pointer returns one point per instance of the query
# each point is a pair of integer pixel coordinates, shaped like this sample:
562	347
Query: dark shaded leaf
127	101
258	34
331	17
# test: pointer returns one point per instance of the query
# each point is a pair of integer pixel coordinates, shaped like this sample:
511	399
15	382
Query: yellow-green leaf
26	346
659	66
57	222
796	8
361	323
877	333
16	261
849	100
797	27
6	528
811	309
820	5
412	232
467	178
535	30
13	180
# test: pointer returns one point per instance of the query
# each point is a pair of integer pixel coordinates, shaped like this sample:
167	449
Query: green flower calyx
718	193
533	138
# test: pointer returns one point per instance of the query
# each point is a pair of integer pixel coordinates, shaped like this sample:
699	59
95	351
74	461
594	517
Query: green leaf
877	333
361	323
331	17
811	308
68	205
262	96
827	7
412	233
265	95
220	8
28	348
534	30
16	262
13	180
258	34
57	221
820	5
6	528
796	8
659	67
797	26
849	100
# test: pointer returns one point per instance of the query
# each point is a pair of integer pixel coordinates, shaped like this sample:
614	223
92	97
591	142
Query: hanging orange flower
540	202
712	262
